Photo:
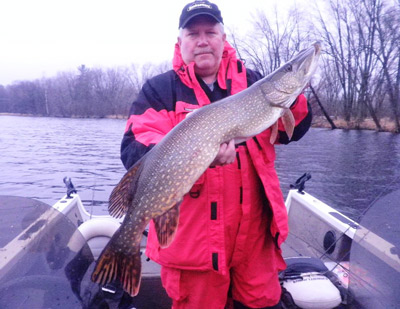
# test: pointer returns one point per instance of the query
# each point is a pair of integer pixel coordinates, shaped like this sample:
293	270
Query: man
233	220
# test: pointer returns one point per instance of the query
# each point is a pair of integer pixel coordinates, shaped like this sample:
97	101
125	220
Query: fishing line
337	262
384	191
330	269
93	190
93	193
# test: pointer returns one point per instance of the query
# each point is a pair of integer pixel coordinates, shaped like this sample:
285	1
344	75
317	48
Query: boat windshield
375	256
44	260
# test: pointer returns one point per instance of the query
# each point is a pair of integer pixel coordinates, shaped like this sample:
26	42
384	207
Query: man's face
202	41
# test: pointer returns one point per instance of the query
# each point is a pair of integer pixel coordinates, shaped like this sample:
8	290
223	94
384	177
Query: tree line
88	92
358	77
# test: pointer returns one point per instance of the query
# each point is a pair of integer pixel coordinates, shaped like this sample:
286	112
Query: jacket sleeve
303	115
150	119
252	77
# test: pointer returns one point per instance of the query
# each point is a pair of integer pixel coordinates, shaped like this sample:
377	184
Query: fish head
282	86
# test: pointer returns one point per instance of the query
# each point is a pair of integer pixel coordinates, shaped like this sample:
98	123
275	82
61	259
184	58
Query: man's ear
224	37
179	41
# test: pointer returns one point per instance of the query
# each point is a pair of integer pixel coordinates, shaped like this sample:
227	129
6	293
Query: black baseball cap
199	8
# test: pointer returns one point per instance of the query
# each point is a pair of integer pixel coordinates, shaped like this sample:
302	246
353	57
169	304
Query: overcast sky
40	38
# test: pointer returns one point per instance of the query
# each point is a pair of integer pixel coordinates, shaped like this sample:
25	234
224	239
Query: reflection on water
349	168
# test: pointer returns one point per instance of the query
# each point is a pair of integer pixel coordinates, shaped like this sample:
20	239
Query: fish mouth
305	64
308	59
318	47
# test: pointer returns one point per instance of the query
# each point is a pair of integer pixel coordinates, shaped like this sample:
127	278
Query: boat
48	252
362	258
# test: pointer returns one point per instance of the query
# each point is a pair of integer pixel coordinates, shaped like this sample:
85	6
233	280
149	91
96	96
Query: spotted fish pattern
154	187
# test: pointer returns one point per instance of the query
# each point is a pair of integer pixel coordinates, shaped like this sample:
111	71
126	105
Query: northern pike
154	187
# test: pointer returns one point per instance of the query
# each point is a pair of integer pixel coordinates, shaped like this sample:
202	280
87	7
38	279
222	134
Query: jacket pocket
182	109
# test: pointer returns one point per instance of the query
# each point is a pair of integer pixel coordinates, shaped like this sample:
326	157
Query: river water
350	169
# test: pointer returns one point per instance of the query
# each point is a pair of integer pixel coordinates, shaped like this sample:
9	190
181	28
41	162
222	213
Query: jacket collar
228	70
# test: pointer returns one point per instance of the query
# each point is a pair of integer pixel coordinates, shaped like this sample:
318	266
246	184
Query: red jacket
200	242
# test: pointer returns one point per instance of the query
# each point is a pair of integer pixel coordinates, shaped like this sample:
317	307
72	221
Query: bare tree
4	100
273	40
388	54
354	34
364	13
25	97
60	90
360	67
112	92
337	36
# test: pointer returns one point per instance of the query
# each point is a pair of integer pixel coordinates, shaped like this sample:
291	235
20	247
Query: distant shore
387	125
74	117
318	122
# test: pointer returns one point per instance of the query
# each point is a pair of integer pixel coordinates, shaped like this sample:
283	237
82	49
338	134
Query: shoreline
387	125
72	117
317	122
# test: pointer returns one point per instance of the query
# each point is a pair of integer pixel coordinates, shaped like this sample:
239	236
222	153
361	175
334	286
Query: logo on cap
199	6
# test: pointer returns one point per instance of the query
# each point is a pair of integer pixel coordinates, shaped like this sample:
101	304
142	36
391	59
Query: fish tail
113	265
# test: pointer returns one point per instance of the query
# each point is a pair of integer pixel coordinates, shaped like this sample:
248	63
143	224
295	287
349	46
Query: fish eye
289	68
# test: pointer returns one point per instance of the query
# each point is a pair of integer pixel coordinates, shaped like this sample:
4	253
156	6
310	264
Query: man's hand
226	154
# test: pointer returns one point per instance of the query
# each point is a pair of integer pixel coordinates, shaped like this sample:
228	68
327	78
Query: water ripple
349	168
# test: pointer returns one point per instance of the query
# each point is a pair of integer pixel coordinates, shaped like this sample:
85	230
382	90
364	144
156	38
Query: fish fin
166	225
113	265
274	133
289	123
122	195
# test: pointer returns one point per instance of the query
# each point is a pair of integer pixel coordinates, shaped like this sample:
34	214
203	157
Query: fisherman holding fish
226	250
